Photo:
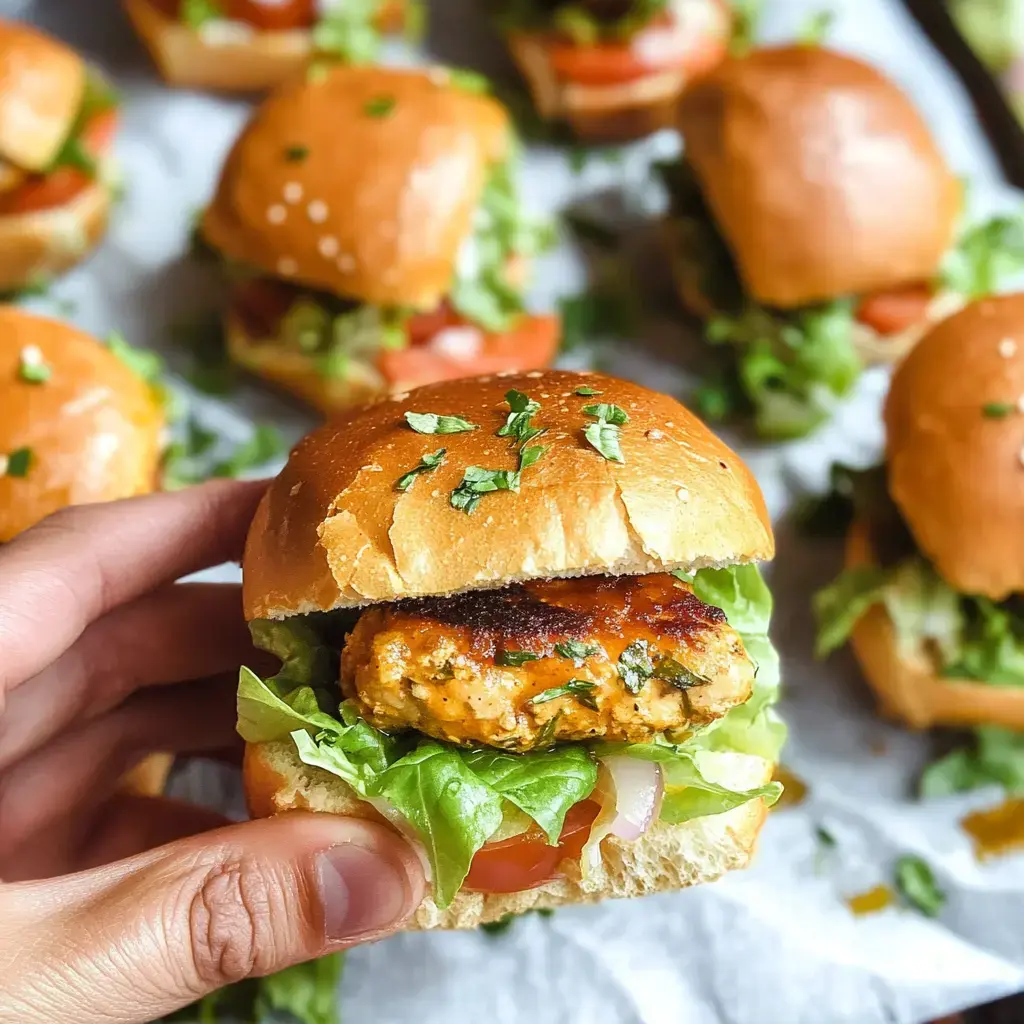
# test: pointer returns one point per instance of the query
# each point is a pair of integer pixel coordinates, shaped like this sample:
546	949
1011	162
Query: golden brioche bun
41	87
94	428
908	684
237	62
379	204
823	177
955	473
333	532
665	857
43	243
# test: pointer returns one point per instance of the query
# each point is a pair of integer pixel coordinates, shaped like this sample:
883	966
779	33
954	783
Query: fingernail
363	893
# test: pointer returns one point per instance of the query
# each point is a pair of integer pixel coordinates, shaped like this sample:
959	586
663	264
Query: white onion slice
638	788
401	823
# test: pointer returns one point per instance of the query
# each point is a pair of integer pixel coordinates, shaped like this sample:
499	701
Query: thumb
136	939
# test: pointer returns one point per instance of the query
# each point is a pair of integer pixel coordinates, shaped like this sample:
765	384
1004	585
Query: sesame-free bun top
361	181
41	86
333	531
93	429
821	174
955	472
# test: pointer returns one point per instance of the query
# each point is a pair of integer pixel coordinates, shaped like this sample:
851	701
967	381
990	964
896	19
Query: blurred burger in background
247	45
931	598
614	69
372	230
57	122
813	227
77	425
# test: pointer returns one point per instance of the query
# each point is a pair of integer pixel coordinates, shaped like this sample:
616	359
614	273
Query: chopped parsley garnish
432	423
585	392
824	837
380	106
145	364
513	659
609	413
916	884
32	369
531	455
19	462
997	410
576	650
518	424
477	481
677	675
426	464
604	434
581	689
635	666
295	154
468	81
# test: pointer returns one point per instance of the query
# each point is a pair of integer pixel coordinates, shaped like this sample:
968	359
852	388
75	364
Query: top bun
363	182
41	87
94	428
333	532
823	177
955	446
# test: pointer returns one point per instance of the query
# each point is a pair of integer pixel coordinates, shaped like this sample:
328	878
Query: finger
140	938
80	770
183	631
84	561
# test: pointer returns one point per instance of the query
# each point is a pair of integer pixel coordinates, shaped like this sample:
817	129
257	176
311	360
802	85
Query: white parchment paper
773	945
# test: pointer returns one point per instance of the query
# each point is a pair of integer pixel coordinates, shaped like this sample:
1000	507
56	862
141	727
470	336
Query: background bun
822	175
41	87
665	857
908	684
363	183
332	531
956	473
94	428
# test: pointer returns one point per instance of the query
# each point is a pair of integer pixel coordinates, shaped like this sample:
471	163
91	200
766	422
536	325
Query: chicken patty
619	658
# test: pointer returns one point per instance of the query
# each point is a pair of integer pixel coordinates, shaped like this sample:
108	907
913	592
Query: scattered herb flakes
142	362
498	927
584	392
518	426
581	689
468	81
675	674
635	666
426	464
576	650
432	423
513	659
19	462
997	410
380	106
824	837
477	481
604	436
296	154
916	883
609	413
31	367
532	455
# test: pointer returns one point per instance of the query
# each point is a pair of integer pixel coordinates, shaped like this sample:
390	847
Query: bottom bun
908	684
665	857
44	243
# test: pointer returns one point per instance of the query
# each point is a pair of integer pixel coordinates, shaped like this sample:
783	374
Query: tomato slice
43	192
895	310
275	16
261	303
529	345
526	861
668	43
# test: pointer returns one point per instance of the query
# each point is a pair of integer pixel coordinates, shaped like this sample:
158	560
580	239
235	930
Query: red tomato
272	15
421	327
526	861
530	345
261	303
893	311
664	45
45	192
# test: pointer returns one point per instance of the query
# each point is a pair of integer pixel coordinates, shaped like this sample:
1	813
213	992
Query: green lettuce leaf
992	27
985	256
996	758
992	644
840	606
741	592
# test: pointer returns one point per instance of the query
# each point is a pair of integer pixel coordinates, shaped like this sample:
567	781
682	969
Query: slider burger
931	598
250	45
57	122
614	69
77	426
372	228
519	619
811	227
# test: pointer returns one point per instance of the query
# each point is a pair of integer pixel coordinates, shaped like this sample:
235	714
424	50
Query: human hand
120	908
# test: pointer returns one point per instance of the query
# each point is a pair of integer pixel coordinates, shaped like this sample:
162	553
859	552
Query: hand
121	908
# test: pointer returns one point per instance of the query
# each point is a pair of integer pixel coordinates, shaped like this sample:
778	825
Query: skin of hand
117	907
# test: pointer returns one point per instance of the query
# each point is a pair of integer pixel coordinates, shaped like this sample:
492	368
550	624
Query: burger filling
613	42
509	732
787	368
83	158
349	29
481	327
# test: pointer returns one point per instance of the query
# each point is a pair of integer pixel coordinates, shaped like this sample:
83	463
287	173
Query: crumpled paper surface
775	944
